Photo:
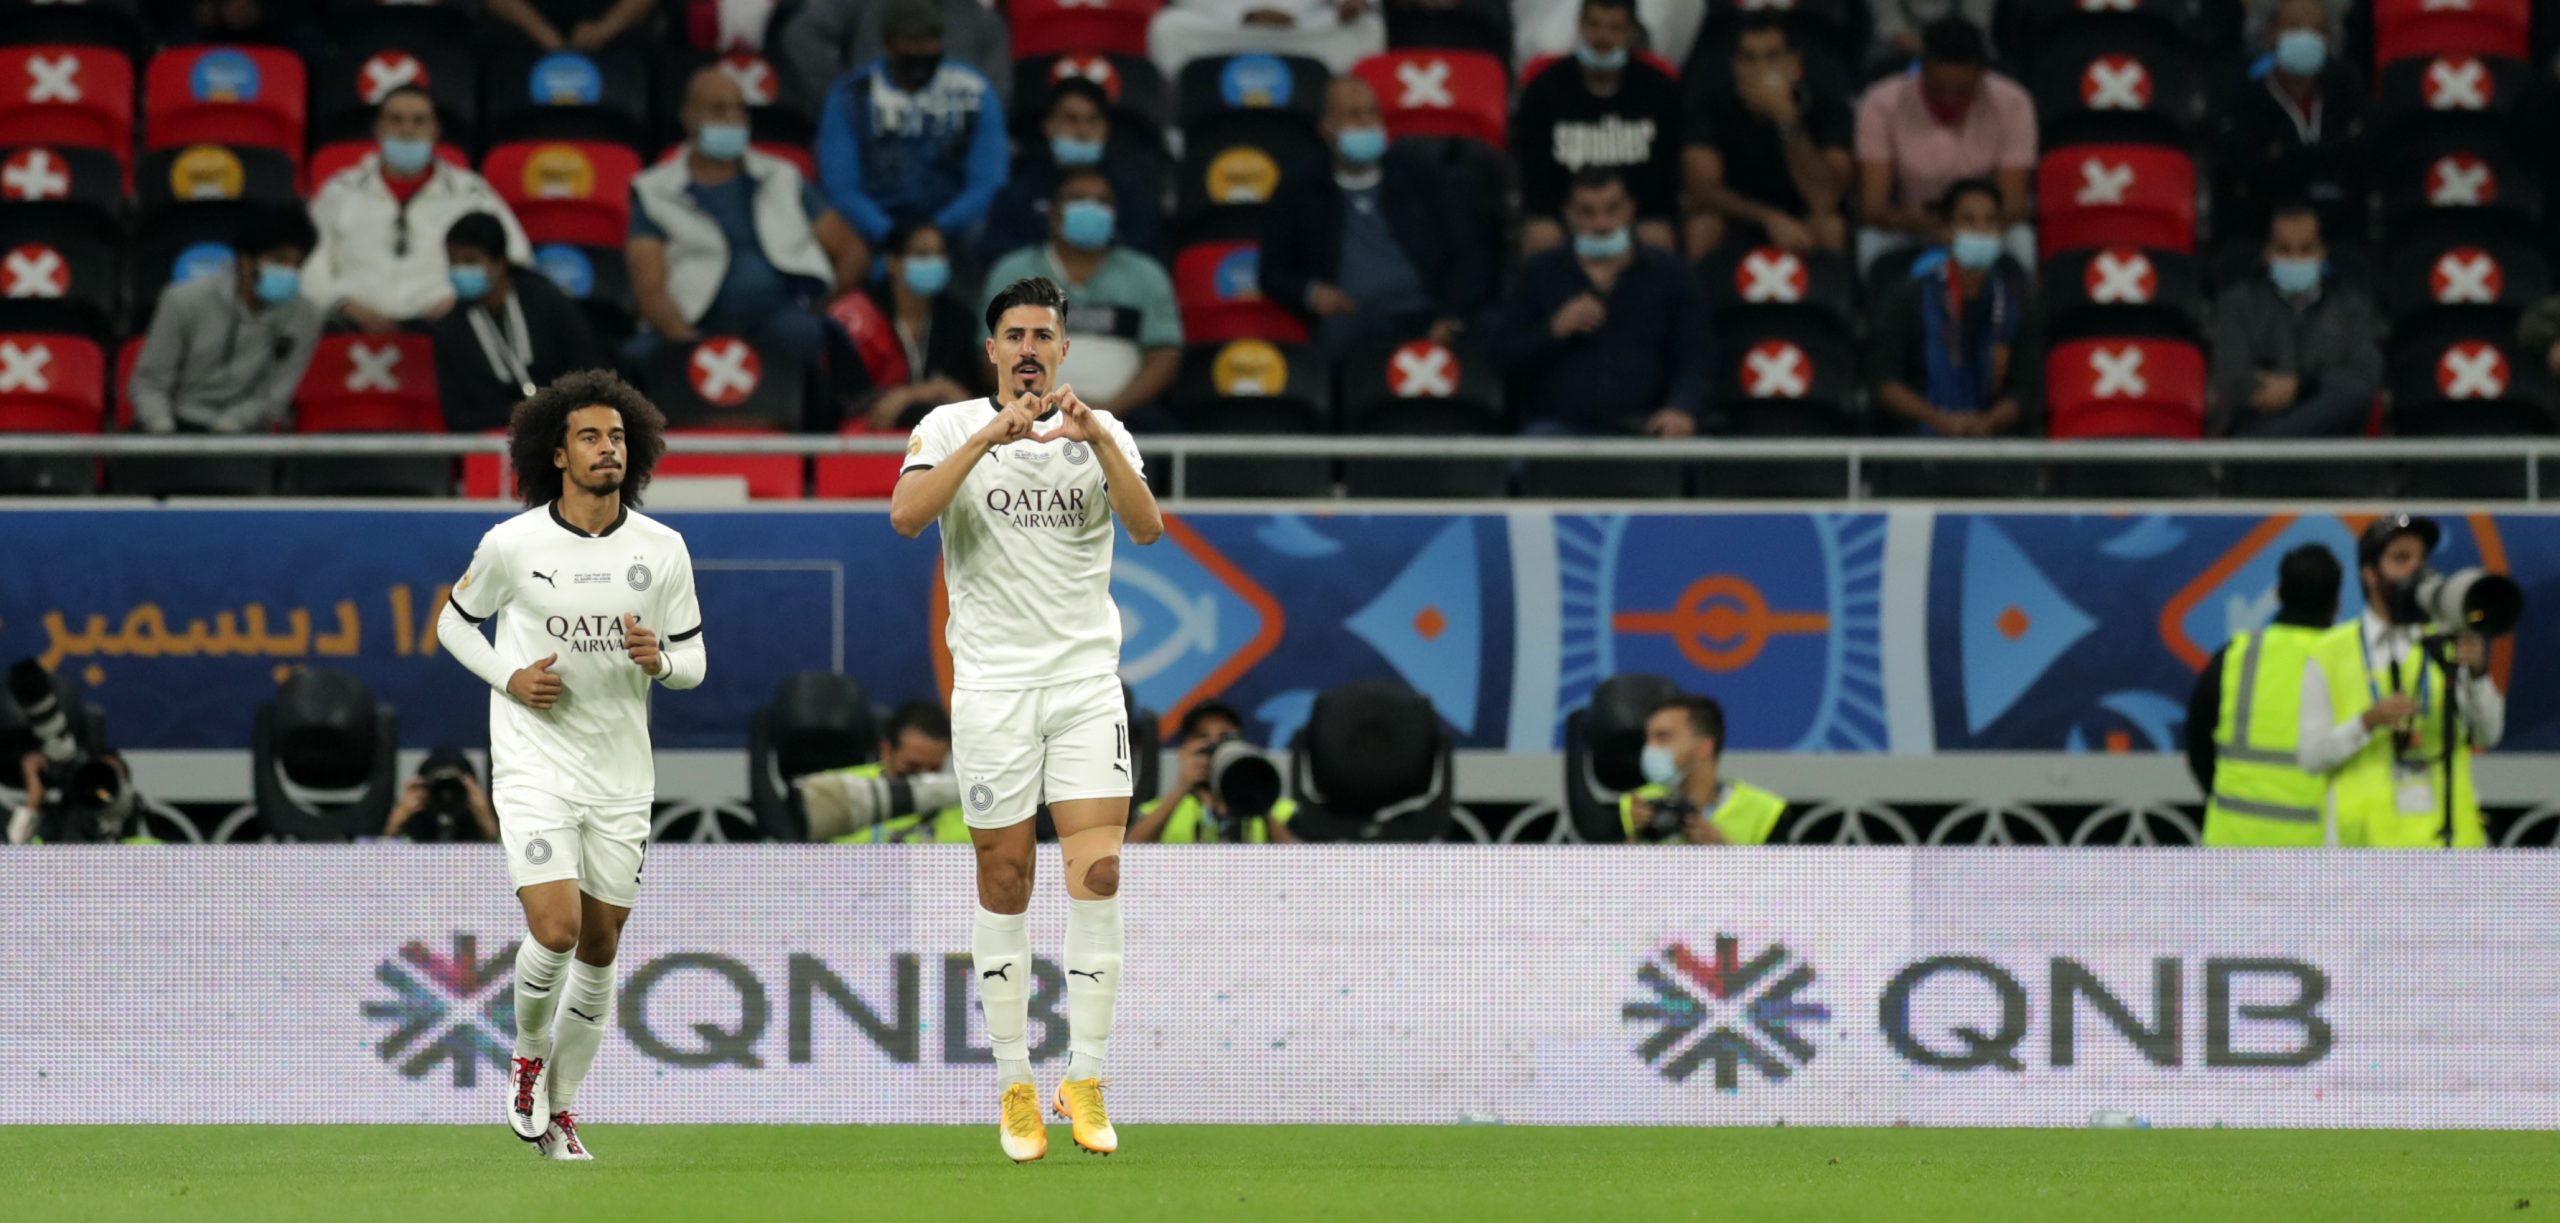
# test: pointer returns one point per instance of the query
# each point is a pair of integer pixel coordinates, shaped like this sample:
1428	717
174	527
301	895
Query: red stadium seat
859	476
572	191
1220	287
51	383
485	477
2412	29
2116	195
1056	27
126	354
338	156
251	96
1441	93
369	384
77	96
2125	387
769	477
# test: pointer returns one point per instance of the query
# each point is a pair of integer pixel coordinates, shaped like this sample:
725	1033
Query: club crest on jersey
1078	452
981	798
1033	507
638	577
537	851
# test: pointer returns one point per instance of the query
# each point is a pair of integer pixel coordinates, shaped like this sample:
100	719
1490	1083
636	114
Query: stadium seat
1253	386
1759	279
338	156
57	272
2463	260
1779	375
1423	389
2415	29
322	757
51	382
2117	77
379	48
87	181
1058	27
370	384
604	95
1480	26
212	173
1442	93
178	247
2094	195
2126	387
2476	85
1372	764
1133	85
816	721
1228	175
253	97
2123	290
857	477
2454	162
1602	745
573	192
1219	285
74	96
1254	84
2462	376
596	277
722	385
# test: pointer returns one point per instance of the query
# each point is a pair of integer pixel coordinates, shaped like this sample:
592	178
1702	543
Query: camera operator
444	802
1685	800
2371	712
915	744
1195	811
78	791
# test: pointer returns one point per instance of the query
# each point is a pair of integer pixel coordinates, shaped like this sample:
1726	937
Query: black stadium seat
2462	376
2123	290
1136	90
2115	77
2455	162
1761	279
2463	260
1254	386
1422	389
1781	376
570	95
58	271
378	48
211	174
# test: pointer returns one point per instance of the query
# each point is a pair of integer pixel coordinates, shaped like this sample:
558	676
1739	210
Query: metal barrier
1174	450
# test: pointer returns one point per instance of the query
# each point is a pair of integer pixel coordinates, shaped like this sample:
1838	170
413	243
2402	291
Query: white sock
1000	948
1093	982
538	971
584	1011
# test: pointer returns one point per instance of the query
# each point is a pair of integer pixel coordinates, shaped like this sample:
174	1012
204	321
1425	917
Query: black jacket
1302	236
476	399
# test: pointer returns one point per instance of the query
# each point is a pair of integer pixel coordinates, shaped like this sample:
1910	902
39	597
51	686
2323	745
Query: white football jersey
1026	554
557	590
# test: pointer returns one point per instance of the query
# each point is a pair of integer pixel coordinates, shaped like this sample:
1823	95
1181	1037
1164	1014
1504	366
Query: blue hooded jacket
886	155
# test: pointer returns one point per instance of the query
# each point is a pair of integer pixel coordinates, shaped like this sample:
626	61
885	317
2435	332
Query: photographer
444	802
2372	718
1195	811
915	744
1685	801
77	790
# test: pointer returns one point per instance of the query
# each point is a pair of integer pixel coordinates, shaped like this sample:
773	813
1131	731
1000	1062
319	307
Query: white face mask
1660	767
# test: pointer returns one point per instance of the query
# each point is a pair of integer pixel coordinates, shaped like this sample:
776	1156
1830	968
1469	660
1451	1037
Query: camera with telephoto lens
1670	815
87	797
1242	781
446	814
2466	600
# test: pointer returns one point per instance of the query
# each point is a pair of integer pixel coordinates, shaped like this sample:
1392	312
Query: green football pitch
350	1173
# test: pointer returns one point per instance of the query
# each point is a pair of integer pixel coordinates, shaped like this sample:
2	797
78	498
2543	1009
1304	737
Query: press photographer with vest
2245	716
1686	800
1196	810
2372	713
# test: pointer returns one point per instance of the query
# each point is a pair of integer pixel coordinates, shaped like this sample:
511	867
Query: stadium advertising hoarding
1905	631
1424	985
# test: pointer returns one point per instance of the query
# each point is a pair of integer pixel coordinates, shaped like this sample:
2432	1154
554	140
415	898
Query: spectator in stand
728	241
2293	349
1380	248
914	136
1075	129
1899	24
1920	132
2260	17
273	23
2293	128
1769	159
826	38
1121	312
509	332
574	25
1942	349
1609	337
919	342
1337	33
1666	28
380	261
225	353
1599	108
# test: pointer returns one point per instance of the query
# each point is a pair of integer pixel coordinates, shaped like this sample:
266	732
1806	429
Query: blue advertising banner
1908	631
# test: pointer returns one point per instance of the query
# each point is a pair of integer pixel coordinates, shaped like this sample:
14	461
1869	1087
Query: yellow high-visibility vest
947	827
2261	796
2365	791
1183	826
1745	816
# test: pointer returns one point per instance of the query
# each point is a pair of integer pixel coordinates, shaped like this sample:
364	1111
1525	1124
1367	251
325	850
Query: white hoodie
361	256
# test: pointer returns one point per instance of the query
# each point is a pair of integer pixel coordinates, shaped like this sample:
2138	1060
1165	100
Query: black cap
447	759
1204	711
2381	531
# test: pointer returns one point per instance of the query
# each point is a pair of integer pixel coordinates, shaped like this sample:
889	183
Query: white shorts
1016	750
550	838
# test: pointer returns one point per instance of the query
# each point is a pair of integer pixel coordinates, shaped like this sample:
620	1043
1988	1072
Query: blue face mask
1610	245
1597	61
2301	52
2294	275
406	156
1361	146
927	275
1975	251
277	283
721	141
470	281
1086	224
1069	151
1659	767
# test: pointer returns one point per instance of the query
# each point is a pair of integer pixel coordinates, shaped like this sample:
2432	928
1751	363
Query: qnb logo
1034	508
1726	1011
445	1009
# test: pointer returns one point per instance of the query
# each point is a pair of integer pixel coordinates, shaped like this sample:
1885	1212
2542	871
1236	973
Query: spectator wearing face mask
225	353
1601	108
1125	326
380	261
1074	132
919	340
1919	132
509	332
913	136
1942	348
2293	350
823	38
1686	798
1607	337
2291	128
1336	33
